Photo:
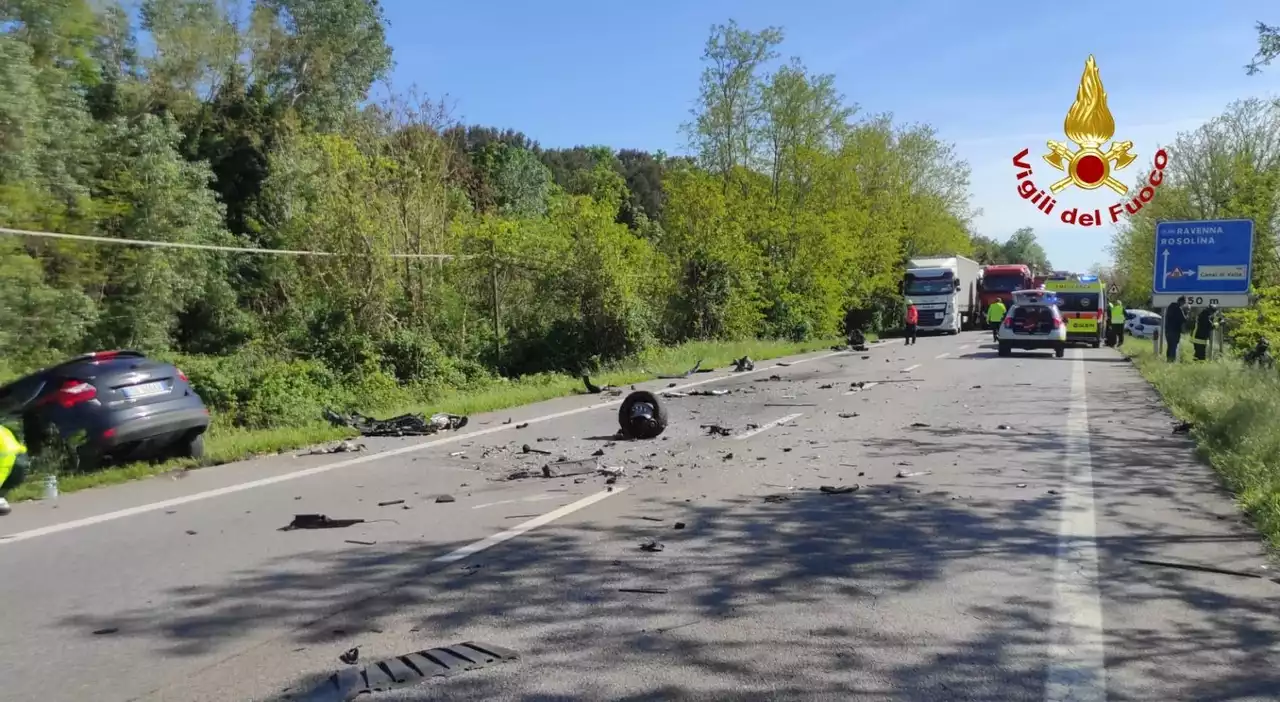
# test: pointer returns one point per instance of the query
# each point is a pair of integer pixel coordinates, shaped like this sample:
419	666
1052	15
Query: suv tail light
72	393
1008	321
1057	323
181	374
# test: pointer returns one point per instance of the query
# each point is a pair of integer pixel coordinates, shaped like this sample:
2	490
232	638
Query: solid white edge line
491	541
908	369
766	427
1077	661
317	470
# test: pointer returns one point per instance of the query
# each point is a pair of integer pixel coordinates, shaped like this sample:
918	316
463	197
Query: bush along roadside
263	406
1234	412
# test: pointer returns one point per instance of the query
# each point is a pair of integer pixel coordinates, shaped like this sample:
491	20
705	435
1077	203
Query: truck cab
943	290
999	283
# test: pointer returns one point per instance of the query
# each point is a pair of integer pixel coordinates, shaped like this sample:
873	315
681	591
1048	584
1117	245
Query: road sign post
1209	262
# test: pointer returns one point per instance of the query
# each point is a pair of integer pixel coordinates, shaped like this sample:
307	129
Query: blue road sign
1204	258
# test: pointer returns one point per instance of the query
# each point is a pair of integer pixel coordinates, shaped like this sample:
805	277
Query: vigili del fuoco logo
1089	126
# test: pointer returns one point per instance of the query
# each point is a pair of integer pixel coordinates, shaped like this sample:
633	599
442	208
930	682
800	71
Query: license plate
144	390
1082	325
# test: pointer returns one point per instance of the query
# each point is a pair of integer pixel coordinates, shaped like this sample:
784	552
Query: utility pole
497	309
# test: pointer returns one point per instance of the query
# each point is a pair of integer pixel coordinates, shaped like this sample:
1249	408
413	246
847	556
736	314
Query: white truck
944	290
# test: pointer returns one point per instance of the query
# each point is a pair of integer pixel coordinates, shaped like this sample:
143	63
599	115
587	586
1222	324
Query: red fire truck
999	283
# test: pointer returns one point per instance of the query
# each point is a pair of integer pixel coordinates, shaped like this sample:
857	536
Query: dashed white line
765	427
1077	663
942	355
491	541
908	369
317	470
542	497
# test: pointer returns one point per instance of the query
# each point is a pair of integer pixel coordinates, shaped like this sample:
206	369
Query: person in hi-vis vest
13	465
995	316
1117	322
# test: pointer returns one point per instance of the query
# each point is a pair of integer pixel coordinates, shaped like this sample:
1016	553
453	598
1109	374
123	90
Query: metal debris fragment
696	367
913	474
388	503
841	490
402	425
565	469
319	521
339	447
445	498
350	656
529	449
652	546
357	542
644	590
848	415
349	683
717	430
776	498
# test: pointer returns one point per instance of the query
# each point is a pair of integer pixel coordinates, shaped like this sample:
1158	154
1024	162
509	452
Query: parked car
127	405
1142	324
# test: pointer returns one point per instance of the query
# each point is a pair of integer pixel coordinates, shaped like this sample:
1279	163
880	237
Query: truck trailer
944	290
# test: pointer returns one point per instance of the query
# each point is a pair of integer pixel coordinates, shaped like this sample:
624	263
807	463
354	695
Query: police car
1033	322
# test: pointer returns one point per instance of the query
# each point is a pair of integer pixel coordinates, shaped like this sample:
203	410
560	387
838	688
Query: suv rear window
1150	321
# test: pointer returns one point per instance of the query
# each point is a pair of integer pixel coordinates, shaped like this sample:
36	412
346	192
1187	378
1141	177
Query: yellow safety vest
1117	314
10	449
995	313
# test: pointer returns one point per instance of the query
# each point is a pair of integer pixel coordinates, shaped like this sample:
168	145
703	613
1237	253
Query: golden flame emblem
1089	125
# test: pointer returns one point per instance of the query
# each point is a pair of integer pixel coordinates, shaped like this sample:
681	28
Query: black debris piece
858	384
529	449
388	503
611	480
105	632
847	415
841	490
728	457
976	387
357	542
548	438
402	425
826	386
652	546
192	532
678	525
1004	427
709	393
1021	485
783	364
918	425
598	452
350	656
777	498
653	519
591	387
644	590
1183	428
642	416
319	521
520	475
445	498
744	364
912	474
350	683
786	449
508	421
717	430
339	447
522	425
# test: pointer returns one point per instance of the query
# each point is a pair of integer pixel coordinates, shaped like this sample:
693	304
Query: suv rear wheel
1059	351
1004	349
191	446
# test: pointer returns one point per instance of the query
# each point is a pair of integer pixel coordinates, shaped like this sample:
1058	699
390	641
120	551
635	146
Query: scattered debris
104	632
445	498
508	421
565	469
770	379
522	425
641	416
776	498
652	546
842	490
678	525
359	543
848	415
1020	485
1183	428
548	439
918	425
826	386
1004	427
686	374
339	447
783	364
975	387
402	425
615	471
350	683
744	364
520	475
644	590
388	503
457	454
1196	567
319	521
192	532
598	452
529	449
727	457
653	519
673	393
709	393
717	430
913	474
350	656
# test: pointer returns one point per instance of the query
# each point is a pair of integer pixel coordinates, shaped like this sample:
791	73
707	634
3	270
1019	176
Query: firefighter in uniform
1205	322
13	465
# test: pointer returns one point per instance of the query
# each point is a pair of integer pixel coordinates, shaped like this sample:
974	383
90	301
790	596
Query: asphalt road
987	554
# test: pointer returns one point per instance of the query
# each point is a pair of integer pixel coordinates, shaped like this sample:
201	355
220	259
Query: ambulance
1080	300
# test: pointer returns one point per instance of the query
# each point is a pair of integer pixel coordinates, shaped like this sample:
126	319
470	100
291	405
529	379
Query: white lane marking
491	541
766	427
263	482
942	355
1077	663
867	386
542	497
908	369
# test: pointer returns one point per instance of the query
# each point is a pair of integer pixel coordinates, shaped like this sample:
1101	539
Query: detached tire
624	415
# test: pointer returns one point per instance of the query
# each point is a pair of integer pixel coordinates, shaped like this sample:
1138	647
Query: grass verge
226	444
1236	416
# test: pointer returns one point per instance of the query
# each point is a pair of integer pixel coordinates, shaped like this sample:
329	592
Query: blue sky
992	77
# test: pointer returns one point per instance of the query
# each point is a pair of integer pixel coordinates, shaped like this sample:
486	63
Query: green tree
1268	48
